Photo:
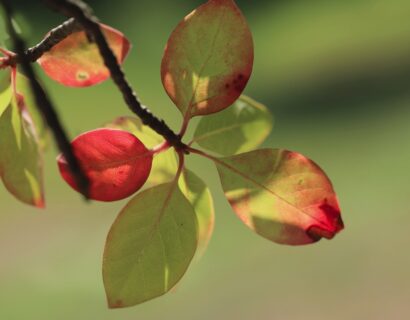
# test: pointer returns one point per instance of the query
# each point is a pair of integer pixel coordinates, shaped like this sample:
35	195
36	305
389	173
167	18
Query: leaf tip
115	304
40	203
335	225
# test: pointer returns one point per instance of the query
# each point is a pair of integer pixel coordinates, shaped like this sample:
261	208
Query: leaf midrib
246	177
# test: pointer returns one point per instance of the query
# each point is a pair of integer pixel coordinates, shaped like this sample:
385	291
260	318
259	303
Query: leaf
164	166
21	164
240	128
198	194
5	89
41	129
149	246
281	195
116	163
76	62
208	59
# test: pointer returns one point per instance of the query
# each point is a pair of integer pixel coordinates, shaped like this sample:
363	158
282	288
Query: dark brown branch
55	36
82	13
44	104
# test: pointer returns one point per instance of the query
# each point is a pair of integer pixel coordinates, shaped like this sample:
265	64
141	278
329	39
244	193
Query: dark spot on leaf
227	86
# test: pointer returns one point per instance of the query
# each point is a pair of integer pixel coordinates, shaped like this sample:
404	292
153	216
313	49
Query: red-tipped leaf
281	195
116	162
76	62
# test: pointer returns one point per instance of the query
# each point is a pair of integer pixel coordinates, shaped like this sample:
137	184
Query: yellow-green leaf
149	246
281	195
5	89
240	128
164	166
20	158
198	194
208	59
41	129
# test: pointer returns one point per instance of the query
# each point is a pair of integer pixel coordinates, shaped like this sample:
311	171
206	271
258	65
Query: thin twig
45	106
54	37
82	13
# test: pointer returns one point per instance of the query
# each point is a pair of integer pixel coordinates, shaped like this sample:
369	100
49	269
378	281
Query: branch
55	36
82	13
44	104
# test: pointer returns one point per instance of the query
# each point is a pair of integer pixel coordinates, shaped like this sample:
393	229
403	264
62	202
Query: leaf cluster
279	194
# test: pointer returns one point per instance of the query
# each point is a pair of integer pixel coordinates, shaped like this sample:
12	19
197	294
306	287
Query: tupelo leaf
76	62
21	163
198	194
5	89
116	163
40	127
164	166
149	246
208	59
240	128
281	195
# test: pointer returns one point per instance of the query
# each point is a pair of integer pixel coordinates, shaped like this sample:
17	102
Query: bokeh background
336	74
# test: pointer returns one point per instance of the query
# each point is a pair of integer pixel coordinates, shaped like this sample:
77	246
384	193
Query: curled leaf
208	59
198	194
164	166
76	61
240	128
281	195
21	163
149	246
116	162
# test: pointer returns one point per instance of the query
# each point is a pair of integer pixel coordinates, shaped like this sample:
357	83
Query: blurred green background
336	74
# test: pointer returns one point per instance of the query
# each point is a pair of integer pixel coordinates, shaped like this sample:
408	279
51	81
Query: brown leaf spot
238	83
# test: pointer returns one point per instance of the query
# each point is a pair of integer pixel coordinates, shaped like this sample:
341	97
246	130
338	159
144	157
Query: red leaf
76	62
116	162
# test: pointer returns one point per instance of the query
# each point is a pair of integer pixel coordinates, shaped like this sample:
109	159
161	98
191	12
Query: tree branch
82	13
44	104
55	36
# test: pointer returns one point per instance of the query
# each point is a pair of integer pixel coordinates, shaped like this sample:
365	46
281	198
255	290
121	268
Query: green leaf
5	89
23	87
20	159
208	59
198	194
281	195
165	164
149	246
240	128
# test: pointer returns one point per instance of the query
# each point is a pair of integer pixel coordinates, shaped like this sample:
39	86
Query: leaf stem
45	106
78	10
162	147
